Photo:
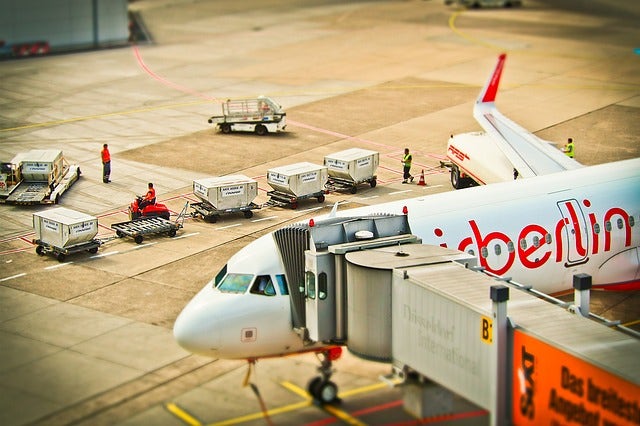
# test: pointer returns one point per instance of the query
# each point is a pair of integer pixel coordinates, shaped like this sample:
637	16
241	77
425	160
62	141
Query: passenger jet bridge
450	331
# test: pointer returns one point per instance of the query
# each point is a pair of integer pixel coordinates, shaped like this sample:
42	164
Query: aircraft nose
195	331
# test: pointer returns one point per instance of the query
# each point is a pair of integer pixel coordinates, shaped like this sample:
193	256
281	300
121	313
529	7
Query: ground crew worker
406	166
106	163
569	148
149	198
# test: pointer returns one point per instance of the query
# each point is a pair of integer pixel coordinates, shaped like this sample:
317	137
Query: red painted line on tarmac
439	419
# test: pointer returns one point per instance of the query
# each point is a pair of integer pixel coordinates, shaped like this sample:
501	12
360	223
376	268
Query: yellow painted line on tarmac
182	414
296	389
452	25
257	416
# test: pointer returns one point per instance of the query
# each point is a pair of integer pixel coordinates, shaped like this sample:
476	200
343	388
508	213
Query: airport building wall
64	24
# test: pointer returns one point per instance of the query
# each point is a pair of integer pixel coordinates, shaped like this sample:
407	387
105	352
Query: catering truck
260	115
39	176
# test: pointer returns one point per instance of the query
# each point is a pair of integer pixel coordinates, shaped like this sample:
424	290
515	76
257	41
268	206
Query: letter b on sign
486	329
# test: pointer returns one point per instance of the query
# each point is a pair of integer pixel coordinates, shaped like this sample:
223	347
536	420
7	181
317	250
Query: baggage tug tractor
39	176
261	115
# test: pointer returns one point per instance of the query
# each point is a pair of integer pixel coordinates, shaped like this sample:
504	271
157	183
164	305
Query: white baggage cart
224	195
296	182
63	231
261	115
350	168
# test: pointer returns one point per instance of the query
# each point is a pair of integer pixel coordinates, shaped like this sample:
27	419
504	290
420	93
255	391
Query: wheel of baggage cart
353	189
40	250
261	130
225	127
321	198
93	250
138	239
248	214
373	183
120	234
211	218
172	233
61	257
294	205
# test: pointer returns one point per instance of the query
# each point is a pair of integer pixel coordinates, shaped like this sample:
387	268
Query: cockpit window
282	284
263	286
219	276
235	283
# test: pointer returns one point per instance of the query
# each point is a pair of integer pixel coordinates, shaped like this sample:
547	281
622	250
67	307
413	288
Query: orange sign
553	387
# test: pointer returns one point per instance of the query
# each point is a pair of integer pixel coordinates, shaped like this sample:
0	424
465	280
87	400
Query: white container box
63	228
226	192
355	164
298	179
40	165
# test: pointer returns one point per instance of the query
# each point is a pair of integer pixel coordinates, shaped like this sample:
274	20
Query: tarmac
89	341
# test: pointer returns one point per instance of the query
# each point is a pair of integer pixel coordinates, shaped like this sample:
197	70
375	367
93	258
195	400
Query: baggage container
355	164
299	179
63	228
41	165
226	192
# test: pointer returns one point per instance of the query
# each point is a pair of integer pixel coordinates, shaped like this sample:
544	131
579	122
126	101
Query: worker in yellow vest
406	166
569	148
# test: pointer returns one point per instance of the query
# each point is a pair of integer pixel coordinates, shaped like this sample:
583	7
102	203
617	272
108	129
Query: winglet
334	210
490	90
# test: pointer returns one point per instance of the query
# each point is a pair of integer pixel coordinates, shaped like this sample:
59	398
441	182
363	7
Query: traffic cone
421	182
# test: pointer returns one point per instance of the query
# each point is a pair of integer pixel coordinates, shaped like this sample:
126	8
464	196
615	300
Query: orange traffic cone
421	182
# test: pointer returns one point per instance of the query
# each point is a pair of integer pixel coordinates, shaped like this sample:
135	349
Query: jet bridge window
235	283
263	286
310	279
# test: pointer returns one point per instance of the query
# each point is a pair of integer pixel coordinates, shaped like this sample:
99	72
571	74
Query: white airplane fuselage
538	231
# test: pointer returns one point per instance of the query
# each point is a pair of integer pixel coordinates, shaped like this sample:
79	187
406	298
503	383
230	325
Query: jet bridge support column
581	293
500	387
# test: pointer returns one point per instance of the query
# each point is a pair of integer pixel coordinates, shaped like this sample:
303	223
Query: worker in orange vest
149	198
106	163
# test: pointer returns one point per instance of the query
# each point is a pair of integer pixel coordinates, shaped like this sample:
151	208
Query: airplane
539	231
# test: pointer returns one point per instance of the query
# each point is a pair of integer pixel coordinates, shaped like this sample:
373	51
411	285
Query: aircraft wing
530	155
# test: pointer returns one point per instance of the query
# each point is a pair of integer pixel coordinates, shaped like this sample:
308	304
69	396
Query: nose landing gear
321	388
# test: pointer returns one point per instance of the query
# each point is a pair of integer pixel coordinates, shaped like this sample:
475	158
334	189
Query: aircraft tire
327	392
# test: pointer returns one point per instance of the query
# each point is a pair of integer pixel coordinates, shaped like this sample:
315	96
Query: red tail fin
490	91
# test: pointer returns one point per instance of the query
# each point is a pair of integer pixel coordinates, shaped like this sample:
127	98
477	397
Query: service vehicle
39	176
261	115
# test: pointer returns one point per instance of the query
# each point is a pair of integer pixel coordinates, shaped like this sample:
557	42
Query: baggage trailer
296	182
349	168
145	225
148	225
261	115
224	195
39	176
209	213
63	231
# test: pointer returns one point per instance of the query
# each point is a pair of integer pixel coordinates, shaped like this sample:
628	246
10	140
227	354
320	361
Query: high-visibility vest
407	160
106	157
569	150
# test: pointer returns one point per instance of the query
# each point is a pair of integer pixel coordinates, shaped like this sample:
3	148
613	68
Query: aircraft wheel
313	385
40	250
327	392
